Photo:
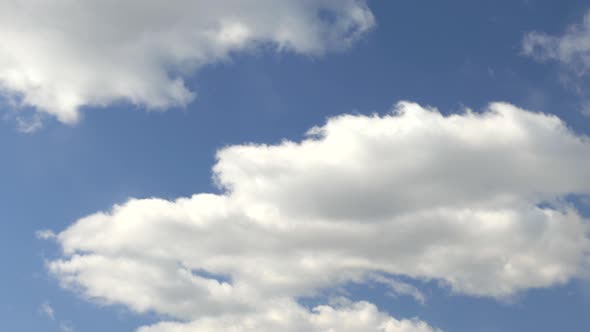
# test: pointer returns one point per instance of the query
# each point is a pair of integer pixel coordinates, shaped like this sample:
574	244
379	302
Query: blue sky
449	55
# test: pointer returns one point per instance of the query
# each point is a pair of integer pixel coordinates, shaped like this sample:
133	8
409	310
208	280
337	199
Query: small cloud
570	50
45	234
66	327
29	125
398	287
46	310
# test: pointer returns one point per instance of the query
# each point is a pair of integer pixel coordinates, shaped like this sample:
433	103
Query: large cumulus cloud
58	56
476	201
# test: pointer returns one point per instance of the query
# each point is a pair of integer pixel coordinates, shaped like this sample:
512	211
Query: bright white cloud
571	51
290	317
59	56
474	200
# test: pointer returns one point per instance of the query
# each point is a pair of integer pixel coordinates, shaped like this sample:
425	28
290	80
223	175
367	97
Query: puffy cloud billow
58	56
475	201
290	317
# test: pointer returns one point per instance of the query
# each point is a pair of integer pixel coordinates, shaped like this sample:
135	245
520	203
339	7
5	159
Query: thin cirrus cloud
475	201
59	56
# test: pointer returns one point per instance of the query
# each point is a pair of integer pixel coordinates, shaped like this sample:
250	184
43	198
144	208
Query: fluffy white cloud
473	200
61	55
290	317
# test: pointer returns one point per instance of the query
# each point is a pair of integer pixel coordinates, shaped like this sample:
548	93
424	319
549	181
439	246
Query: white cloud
66	327
29	125
398	287
59	56
45	234
46	310
475	201
290	317
571	49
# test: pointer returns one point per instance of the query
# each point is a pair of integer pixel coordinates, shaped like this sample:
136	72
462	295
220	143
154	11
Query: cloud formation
571	49
46	310
290	317
476	201
59	56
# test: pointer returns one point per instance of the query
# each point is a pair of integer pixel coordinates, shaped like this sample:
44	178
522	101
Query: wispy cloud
30	124
45	234
46	310
571	50
66	327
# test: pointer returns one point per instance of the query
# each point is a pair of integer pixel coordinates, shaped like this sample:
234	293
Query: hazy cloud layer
58	56
473	200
